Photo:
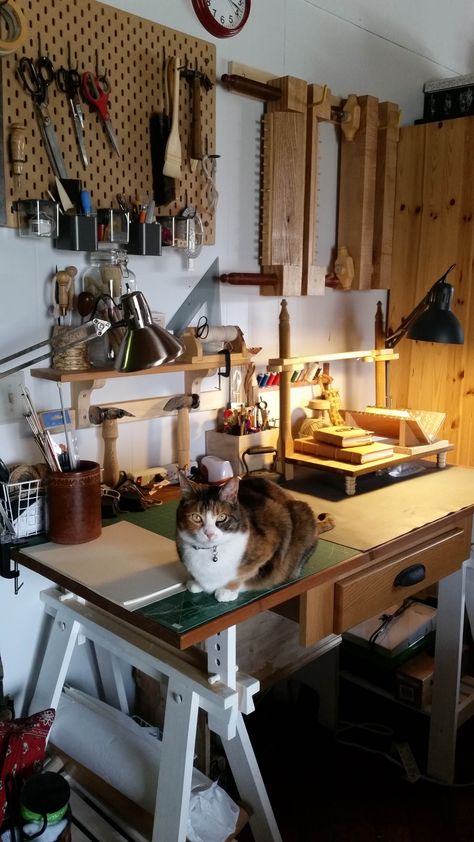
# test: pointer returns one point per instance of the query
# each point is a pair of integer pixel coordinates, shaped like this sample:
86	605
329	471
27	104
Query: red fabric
22	750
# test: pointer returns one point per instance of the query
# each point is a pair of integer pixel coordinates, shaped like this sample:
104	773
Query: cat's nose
210	533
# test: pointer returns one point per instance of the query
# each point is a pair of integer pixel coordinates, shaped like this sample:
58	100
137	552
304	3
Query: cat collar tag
214	556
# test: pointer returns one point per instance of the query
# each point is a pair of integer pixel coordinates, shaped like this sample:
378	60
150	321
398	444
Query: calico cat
244	535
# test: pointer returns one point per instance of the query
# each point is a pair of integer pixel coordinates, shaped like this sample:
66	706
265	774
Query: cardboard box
232	447
414	681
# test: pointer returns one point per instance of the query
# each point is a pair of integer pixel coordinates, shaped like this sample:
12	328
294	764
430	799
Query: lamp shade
145	344
437	323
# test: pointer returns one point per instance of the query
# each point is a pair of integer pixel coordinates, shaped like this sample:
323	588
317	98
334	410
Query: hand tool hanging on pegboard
68	81
173	154
36	76
164	188
197	80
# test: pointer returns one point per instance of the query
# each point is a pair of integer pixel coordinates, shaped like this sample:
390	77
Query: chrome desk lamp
144	345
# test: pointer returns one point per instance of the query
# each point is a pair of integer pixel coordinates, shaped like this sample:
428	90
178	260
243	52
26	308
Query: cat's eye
195	517
221	518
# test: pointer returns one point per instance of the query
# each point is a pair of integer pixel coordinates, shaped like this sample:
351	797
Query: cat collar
215	557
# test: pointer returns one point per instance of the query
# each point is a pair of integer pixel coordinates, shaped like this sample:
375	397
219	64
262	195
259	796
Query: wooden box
232	447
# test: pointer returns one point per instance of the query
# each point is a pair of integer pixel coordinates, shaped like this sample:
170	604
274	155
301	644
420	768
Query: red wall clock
222	18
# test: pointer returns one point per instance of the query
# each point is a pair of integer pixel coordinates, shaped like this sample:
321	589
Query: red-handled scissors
98	96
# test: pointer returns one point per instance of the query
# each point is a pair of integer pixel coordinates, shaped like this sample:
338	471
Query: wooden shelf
351	472
371	355
194	364
208	363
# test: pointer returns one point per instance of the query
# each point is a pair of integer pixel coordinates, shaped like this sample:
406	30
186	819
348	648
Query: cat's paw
324	522
226	595
192	585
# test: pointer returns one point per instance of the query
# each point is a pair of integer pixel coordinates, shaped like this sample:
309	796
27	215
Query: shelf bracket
81	400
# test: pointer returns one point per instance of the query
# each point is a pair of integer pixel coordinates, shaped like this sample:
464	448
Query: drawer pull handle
410	576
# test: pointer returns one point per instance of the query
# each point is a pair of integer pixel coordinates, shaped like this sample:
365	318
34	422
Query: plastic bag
212	815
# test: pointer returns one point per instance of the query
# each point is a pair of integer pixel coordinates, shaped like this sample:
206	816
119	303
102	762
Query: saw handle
196	145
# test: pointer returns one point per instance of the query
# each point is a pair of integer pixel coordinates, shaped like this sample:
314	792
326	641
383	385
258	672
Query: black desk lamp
431	320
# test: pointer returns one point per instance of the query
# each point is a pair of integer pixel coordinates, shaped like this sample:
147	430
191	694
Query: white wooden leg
55	663
221	657
242	761
112	680
176	764
470	591
447	673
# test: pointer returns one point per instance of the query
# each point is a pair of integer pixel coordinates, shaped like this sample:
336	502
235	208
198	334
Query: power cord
407	762
387	620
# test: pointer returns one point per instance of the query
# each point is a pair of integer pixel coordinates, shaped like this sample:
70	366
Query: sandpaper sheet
126	564
373	517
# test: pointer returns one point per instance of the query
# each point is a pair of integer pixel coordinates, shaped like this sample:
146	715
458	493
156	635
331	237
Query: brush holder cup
74	504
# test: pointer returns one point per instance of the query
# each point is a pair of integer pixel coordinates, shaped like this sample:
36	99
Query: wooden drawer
362	595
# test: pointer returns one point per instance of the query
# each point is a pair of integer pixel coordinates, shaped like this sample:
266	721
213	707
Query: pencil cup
74	504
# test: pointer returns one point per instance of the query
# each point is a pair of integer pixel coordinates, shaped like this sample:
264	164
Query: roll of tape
222	333
16	26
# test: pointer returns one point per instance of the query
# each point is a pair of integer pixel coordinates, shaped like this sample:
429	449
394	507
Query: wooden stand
406	449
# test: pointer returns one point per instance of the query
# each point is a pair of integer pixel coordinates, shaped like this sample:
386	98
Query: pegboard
131	51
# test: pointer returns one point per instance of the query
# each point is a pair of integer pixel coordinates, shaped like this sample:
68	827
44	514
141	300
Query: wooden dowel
250	87
248	279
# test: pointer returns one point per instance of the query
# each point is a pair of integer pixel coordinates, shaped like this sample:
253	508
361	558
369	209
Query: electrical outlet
11	401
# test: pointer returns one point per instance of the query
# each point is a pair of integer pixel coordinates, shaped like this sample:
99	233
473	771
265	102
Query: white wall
386	49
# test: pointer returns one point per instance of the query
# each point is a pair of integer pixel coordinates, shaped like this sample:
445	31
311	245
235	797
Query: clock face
222	18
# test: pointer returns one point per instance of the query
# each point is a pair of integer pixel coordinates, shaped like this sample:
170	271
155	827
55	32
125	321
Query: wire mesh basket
25	506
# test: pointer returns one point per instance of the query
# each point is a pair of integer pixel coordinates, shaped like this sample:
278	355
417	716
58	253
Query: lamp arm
394	338
76	336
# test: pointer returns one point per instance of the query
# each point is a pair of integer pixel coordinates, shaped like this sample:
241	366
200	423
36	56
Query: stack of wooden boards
374	434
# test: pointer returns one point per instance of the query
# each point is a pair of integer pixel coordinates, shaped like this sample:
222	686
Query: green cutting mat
185	611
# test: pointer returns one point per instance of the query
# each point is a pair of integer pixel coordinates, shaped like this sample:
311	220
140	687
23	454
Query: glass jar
103	275
129	281
103	279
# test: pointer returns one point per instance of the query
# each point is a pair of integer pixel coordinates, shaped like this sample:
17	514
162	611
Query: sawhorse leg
176	763
447	674
242	761
56	659
188	690
221	659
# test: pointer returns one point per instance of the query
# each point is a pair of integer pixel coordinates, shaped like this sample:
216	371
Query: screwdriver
17	152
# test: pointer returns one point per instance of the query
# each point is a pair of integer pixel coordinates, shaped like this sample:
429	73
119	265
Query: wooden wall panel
434	227
132	51
385	183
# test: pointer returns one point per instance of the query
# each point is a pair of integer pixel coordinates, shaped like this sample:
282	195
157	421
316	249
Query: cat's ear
188	487
230	490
